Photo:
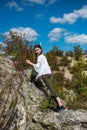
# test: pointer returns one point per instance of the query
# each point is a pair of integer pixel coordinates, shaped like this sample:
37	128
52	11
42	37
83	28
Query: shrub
18	49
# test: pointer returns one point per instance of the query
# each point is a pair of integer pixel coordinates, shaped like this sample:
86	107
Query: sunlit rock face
20	104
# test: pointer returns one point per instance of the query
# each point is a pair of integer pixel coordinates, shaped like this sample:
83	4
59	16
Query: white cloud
69	37
14	4
40	16
40	2
17	5
75	38
29	33
55	34
51	1
1	43
71	17
82	12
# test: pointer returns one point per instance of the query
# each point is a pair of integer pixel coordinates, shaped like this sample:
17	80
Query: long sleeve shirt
42	67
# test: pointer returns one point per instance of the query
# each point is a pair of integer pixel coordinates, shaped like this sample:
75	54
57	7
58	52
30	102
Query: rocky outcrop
20	105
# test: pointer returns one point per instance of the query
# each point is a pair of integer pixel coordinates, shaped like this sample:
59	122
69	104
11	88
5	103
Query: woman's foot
59	108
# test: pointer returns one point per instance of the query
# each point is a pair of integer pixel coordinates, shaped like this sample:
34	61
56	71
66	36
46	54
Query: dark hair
38	46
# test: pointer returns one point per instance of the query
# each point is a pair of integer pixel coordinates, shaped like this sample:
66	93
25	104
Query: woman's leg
59	101
33	75
47	81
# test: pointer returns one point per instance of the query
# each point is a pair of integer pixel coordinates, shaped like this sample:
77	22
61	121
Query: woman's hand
29	62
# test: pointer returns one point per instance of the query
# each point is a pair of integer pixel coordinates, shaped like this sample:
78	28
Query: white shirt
42	67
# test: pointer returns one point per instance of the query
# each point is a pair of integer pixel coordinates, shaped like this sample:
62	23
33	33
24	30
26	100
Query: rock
20	105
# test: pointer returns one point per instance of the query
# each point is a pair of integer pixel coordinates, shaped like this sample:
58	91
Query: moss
77	103
48	103
52	126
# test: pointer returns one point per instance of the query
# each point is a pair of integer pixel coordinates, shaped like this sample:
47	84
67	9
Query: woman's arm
37	65
29	62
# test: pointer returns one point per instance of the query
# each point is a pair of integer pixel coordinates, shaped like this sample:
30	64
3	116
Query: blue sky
49	22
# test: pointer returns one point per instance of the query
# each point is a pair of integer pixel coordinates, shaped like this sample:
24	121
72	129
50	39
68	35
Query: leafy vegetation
79	78
19	50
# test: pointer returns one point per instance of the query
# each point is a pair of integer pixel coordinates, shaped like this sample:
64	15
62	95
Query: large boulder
20	104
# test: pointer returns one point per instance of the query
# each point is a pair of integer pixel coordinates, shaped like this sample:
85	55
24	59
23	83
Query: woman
42	69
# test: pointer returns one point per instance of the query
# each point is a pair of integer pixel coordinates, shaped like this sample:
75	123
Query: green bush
18	49
48	103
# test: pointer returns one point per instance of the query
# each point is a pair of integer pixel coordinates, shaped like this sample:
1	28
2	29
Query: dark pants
42	82
47	82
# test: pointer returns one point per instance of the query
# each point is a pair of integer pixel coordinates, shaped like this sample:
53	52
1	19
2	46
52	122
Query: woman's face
38	51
